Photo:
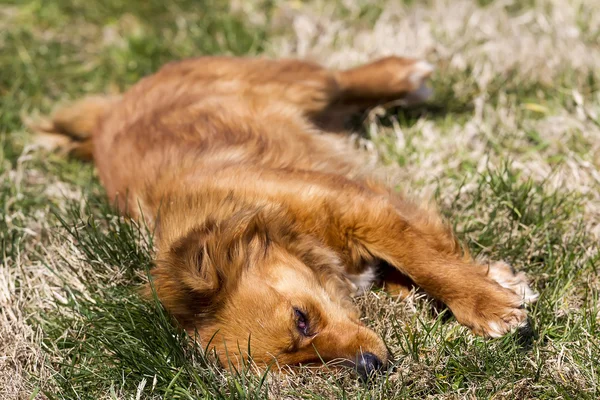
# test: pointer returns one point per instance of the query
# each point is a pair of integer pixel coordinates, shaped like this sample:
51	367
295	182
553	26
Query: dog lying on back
267	224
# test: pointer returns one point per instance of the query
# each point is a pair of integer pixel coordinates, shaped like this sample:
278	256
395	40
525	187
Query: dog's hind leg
315	89
390	80
70	128
386	79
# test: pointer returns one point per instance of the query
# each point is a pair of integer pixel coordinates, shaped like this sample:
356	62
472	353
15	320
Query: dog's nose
367	364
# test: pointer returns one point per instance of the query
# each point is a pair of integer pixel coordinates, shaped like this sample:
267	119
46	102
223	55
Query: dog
267	220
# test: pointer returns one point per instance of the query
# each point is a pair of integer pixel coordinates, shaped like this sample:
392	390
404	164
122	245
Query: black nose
367	364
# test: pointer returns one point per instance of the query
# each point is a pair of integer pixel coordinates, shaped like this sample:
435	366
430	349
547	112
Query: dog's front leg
486	298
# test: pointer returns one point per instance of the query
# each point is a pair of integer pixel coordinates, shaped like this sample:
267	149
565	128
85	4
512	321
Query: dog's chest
364	280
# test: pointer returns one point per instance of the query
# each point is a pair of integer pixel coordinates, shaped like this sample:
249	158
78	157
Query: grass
508	146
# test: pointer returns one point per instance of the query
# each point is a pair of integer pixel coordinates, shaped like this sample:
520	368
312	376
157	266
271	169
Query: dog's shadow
397	115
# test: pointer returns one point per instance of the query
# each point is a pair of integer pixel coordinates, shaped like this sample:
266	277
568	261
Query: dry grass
509	146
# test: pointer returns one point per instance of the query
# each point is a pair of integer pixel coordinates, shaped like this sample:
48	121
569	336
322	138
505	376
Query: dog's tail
70	129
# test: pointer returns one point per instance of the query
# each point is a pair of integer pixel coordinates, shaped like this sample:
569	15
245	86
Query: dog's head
254	288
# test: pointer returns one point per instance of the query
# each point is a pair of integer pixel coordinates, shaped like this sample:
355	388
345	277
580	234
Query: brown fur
258	211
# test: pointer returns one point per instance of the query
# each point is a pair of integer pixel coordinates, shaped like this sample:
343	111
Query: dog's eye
301	322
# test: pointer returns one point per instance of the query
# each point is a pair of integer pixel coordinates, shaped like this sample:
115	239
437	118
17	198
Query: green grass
72	269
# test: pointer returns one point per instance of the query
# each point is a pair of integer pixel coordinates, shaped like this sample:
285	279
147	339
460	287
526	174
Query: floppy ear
194	275
185	279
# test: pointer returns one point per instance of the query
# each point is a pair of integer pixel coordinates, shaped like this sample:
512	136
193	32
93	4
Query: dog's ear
184	278
193	276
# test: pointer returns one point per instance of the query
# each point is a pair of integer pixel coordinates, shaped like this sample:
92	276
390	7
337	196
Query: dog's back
199	115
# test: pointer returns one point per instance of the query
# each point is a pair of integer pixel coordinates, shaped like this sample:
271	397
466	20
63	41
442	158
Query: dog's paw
493	312
492	304
504	320
420	71
506	277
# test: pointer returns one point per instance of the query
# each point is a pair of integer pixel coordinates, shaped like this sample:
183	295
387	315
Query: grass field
509	146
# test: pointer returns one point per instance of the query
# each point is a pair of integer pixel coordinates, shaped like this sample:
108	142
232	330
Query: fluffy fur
266	218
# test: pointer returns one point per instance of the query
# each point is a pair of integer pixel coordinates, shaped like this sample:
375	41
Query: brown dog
267	225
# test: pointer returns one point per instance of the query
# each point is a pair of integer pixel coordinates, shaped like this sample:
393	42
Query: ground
508	146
